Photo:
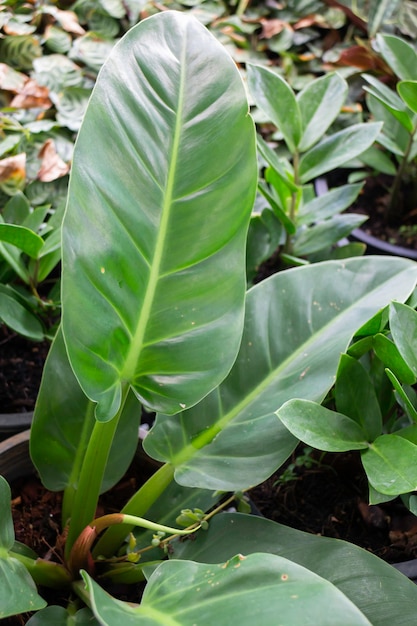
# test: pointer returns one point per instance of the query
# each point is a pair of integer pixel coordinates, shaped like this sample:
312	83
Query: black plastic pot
377	246
13	423
14	457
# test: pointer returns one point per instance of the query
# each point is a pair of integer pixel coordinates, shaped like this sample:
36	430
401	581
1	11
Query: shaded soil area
21	364
373	201
329	498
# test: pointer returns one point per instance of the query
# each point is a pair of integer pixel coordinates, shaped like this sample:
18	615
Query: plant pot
14	457
377	246
13	423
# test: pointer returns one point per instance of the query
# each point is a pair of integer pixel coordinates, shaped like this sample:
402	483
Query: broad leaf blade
297	323
23	238
334	151
243	589
403	325
164	195
329	204
384	595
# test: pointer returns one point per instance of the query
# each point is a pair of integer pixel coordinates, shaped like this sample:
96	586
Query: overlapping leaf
297	324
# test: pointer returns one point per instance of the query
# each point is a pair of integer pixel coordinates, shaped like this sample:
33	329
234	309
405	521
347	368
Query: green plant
397	110
155	314
306	226
30	249
375	406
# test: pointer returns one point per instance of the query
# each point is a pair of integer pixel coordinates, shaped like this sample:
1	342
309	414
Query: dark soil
330	498
21	364
373	201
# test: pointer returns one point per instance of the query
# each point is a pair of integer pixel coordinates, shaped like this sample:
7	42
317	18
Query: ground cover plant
165	193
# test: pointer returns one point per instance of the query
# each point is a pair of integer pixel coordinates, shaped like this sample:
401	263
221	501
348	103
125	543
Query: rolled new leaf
160	197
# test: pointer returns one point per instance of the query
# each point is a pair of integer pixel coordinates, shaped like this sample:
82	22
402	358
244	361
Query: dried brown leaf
32	96
52	166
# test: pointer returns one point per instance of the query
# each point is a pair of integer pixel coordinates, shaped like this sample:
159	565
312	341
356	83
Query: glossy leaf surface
244	589
337	149
321	428
297	323
275	97
399	55
320	103
403	325
63	422
391	465
160	197
384	595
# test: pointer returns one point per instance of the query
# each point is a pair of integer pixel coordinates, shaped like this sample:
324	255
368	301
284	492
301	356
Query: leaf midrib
137	342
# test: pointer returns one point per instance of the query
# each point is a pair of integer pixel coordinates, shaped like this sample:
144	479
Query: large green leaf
384	595
320	102
297	324
399	55
244	589
63	422
161	191
337	149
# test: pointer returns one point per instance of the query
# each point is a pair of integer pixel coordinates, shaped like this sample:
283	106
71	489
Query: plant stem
85	499
46	573
295	200
138	505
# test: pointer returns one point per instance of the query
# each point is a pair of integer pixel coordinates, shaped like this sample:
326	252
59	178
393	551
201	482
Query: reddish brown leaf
52	166
272	27
362	58
32	96
13	170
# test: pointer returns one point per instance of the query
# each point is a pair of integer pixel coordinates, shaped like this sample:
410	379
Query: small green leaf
325	234
399	55
321	428
408	92
403	325
389	354
355	396
391	465
320	103
329	204
58	616
334	151
404	399
275	97
19	318
26	240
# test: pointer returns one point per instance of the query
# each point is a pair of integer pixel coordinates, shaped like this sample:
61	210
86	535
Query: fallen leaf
52	166
13	172
10	79
32	96
272	27
69	22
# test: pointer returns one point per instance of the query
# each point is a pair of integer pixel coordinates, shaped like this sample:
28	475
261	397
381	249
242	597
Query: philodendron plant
155	314
303	226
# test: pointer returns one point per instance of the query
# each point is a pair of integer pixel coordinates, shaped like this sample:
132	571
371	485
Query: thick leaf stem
81	558
45	573
138	505
85	499
295	199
